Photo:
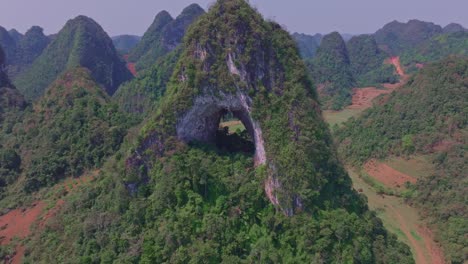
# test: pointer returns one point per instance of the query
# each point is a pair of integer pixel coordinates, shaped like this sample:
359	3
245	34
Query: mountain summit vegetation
82	42
163	36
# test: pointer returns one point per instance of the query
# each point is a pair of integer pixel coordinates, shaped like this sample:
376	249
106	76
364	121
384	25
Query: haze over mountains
215	149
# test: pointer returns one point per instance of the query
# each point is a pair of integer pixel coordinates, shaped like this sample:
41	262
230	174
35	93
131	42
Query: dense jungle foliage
71	129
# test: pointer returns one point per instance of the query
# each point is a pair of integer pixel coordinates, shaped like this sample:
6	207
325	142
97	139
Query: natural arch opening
201	123
232	135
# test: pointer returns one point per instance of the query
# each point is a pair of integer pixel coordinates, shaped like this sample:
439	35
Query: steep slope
72	128
163	36
396	37
125	43
142	94
31	45
331	70
170	199
8	45
437	48
427	116
151	36
367	62
82	42
11	105
306	44
28	48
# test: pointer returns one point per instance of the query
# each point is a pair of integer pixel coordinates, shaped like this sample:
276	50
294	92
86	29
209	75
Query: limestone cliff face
235	61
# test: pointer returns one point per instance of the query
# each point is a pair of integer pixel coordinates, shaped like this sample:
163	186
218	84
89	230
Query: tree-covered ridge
426	116
82	42
125	43
27	49
163	36
140	96
367	62
151	36
396	37
72	128
332	71
31	45
437	48
429	109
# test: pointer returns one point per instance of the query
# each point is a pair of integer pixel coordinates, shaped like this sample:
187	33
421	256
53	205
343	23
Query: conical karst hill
81	43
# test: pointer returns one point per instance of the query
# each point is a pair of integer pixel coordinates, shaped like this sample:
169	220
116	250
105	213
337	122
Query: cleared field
417	166
339	117
401	220
233	126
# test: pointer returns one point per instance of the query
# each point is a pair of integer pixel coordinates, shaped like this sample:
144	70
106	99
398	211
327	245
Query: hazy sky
306	16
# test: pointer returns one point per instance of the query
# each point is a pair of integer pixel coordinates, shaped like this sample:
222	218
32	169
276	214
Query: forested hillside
164	198
163	36
82	42
427	116
73	128
332	71
367	62
437	48
396	37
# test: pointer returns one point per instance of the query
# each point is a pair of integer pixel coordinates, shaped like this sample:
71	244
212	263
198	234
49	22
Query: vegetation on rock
163	36
367	62
396	37
331	69
82	42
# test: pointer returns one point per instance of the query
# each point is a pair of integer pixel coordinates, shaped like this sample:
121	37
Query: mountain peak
192	10
163	36
81	43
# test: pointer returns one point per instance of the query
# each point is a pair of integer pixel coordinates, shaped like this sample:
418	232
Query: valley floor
402	220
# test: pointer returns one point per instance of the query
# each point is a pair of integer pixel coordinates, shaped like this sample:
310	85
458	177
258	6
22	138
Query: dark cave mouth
233	136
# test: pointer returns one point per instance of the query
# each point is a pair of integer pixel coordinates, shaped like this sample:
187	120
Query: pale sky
305	16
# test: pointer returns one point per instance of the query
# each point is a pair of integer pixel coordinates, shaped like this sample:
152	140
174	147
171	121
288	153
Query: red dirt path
395	61
131	66
387	175
437	256
420	259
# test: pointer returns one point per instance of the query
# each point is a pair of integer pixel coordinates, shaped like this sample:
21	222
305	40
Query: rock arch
201	122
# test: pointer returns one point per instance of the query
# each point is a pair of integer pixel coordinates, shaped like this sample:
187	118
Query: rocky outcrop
234	61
